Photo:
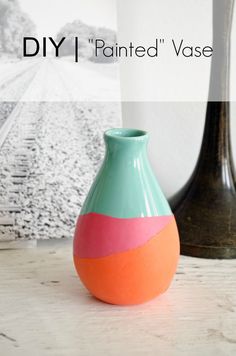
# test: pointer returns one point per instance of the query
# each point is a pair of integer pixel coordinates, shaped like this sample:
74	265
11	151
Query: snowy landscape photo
53	112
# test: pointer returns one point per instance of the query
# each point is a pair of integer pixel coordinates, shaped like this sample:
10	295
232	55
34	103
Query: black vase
205	208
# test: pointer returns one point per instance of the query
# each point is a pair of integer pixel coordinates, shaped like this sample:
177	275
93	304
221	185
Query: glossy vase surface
126	243
205	208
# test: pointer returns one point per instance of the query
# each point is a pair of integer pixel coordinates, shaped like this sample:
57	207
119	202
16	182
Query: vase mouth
126	134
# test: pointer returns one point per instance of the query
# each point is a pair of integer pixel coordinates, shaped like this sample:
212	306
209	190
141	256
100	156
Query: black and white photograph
53	112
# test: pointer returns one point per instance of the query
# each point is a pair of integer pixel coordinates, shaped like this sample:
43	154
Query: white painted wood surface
44	310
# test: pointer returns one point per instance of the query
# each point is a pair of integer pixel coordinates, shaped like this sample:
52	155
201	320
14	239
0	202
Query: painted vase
126	244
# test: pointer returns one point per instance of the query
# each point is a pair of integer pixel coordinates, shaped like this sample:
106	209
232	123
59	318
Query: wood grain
44	310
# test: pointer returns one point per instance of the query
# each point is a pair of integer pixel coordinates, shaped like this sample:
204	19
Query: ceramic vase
126	243
205	207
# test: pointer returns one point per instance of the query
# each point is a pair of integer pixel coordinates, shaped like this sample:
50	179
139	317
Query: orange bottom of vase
134	276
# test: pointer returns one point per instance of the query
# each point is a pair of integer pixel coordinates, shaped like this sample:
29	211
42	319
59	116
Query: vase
126	243
205	208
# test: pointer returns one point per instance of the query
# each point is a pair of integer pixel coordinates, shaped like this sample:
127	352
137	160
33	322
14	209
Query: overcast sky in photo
50	15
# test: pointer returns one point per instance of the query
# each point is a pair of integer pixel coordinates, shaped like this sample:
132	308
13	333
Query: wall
175	128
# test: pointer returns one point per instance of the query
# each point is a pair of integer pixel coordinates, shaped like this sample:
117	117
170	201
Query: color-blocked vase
126	243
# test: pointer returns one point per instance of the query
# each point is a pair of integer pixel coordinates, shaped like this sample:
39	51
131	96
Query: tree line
14	25
85	32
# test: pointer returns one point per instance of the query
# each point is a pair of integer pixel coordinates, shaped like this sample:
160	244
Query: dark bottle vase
205	208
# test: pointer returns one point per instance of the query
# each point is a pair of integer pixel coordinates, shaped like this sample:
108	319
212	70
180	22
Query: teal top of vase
125	186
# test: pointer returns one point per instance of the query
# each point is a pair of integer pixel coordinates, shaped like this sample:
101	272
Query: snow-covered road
47	176
63	80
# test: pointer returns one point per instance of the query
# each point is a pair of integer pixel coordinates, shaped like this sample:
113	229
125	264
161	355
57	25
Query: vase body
126	243
205	208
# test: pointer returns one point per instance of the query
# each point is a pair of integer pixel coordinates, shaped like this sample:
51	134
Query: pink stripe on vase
99	235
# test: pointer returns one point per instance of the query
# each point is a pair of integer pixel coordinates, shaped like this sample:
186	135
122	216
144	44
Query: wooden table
44	310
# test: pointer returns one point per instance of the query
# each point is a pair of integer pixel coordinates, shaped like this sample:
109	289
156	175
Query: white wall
175	137
175	127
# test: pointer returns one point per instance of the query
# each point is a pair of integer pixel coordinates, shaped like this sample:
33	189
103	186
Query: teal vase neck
125	186
126	149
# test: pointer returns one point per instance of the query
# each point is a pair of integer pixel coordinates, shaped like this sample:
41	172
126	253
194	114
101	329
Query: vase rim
126	134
